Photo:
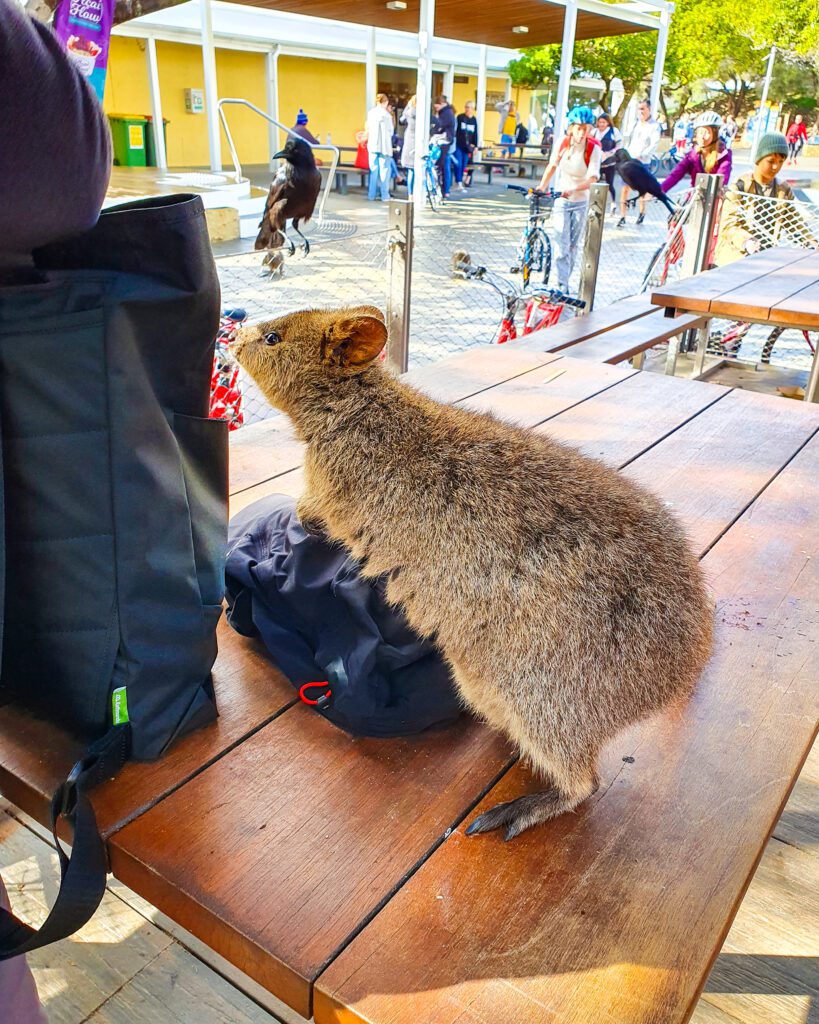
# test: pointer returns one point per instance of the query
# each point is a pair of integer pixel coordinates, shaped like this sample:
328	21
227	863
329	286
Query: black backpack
348	653
522	135
115	499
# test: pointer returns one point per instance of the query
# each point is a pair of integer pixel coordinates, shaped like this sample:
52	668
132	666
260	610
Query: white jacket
644	139
379	131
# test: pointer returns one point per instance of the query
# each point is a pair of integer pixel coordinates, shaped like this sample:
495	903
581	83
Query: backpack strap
83	875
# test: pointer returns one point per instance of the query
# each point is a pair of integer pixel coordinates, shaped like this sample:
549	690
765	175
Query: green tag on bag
119	705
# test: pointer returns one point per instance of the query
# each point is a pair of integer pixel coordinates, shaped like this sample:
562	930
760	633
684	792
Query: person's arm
55	153
548	174
733	223
679	172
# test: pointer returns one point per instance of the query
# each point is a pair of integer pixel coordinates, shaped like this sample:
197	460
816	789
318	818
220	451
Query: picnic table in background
336	871
777	287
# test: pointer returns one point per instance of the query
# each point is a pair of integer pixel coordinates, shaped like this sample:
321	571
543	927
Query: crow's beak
281	153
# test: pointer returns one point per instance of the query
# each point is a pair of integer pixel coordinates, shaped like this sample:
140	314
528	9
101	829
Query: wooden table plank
35	756
638	413
303	832
615	913
709	470
696	293
756	299
800	309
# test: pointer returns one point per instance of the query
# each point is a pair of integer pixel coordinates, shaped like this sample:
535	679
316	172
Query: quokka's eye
272	338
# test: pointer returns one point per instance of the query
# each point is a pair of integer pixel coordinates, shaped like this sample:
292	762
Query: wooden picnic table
336	871
777	287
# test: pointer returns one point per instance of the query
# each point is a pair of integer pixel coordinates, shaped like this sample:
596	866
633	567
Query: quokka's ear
367	311
353	340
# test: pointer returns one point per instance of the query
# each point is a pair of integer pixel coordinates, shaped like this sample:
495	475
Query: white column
507	90
271	62
449	82
156	103
371	78
566	54
659	61
762	101
480	113
426	34
211	90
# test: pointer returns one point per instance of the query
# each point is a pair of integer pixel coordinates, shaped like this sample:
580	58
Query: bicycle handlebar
550	194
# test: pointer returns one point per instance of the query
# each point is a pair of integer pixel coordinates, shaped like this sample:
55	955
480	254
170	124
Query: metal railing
288	131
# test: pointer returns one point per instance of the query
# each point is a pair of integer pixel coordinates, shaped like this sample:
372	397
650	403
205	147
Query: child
748	223
757	210
578	160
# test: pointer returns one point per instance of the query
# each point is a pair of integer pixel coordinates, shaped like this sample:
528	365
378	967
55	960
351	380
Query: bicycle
541	308
432	186
534	252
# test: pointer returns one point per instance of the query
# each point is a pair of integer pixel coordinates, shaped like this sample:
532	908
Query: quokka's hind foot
518	815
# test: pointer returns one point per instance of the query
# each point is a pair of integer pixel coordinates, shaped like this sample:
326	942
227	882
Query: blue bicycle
432	186
534	252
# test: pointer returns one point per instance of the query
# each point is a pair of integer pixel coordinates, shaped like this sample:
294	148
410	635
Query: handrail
288	131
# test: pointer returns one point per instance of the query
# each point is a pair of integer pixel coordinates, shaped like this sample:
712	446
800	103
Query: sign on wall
195	101
84	29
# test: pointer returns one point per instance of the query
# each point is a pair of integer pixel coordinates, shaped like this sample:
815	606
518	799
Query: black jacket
445	122
466	132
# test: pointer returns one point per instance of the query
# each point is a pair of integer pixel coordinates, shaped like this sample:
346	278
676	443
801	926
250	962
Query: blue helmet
581	115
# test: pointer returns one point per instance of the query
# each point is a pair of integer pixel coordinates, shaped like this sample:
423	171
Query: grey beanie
771	142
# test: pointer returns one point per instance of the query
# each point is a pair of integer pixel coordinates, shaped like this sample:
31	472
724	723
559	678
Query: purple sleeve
727	163
55	148
679	172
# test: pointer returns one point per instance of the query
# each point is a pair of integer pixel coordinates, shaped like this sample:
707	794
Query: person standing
379	148
300	128
729	131
408	118
642	145
577	163
507	126
610	141
797	136
681	133
466	140
445	127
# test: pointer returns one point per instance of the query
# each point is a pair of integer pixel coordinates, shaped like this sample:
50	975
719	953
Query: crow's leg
305	247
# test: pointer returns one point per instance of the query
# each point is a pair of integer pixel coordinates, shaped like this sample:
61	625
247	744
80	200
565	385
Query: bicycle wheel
433	189
537	257
656	271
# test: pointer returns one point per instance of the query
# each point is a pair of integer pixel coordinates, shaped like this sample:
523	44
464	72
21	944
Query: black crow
292	196
638	177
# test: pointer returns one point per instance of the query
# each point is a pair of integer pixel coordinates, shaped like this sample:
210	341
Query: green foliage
716	47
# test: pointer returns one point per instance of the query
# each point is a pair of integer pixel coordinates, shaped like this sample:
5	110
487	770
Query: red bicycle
541	307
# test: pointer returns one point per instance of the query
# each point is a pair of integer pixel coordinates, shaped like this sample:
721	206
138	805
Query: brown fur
563	596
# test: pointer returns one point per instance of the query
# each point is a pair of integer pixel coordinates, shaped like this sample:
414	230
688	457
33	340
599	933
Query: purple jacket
692	165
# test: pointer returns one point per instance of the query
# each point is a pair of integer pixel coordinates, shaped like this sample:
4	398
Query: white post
426	34
371	74
271	60
659	61
156	104
449	82
507	90
481	101
762	102
211	90
566	54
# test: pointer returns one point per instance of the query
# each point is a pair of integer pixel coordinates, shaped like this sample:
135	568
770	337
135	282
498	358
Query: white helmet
708	119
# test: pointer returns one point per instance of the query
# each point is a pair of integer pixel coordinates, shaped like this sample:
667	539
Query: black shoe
621	223
641	218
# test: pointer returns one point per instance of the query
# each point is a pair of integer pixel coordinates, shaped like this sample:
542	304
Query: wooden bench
625	330
336	872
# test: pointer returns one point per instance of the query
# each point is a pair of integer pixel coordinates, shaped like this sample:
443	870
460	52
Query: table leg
671	355
812	390
702	344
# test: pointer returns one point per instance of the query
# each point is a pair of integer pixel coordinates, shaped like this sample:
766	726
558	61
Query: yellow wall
126	84
463	91
331	93
242	75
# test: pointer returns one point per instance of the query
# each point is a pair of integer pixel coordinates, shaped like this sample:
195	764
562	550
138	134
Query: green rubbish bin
129	136
150	140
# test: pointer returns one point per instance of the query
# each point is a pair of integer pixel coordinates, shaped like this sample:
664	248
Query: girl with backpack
577	162
610	141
